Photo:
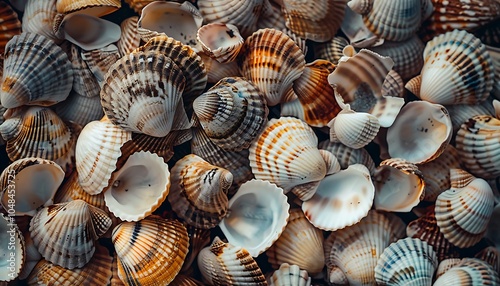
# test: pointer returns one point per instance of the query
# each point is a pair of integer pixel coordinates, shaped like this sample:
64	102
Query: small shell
12	249
130	38
256	217
9	25
150	250
96	8
446	265
289	275
393	85
65	233
331	50
271	16
38	17
30	76
469	271
356	31
80	109
348	156
84	81
221	42
353	129
100	60
217	71
460	113
490	255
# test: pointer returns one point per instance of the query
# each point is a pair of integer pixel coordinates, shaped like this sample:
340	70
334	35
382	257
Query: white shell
221	42
12	249
289	275
353	129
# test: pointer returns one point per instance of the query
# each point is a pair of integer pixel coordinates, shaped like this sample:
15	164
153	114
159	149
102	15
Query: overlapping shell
348	156
469	271
353	129
289	275
95	7
38	17
221	42
12	249
9	24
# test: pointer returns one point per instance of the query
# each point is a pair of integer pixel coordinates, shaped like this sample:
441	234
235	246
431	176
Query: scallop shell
420	133
271	60
150	251
300	163
232	113
130	38
225	264
490	255
30	76
331	50
469	271
12	249
408	261
9	24
96	8
300	244
221	42
84	81
65	233
353	129
352	253
399	185
198	191
463	211
31	182
289	275
142	93
80	109
38	17
256	217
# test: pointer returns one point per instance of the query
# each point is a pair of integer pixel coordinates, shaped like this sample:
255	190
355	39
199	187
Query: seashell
198	191
225	264
301	163
271	16
332	164
9	24
80	109
84	81
71	190
477	143
32	256
176	20
399	185
142	92
221	42
490	255
405	262
461	113
97	152
353	129
130	38
100	60
256	217
30	77
166	243
65	233
198	239
217	71
420	133
331	50
31	182
451	76
96	8
232	113
38	17
319	22
144	178
469	271
355	30
446	265
393	85
348	156
342	199
352	252
183	280
472	197
289	275
97	34
13	251
300	244
271	60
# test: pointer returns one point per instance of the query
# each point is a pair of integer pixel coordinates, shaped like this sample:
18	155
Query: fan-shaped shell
331	50
12	248
84	81
469	271
221	42
97	8
38	17
353	129
9	24
290	275
80	109
348	156
100	60
130	38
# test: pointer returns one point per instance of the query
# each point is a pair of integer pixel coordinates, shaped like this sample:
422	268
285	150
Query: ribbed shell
150	251
38	17
65	233
393	85
469	271
348	156
353	129
9	25
221	42
217	71
331	50
490	255
289	275
100	60
10	232
446	265
461	113
84	81
80	109
36	72
97	8
224	264
129	39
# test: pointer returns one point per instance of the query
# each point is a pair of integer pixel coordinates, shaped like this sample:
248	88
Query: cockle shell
12	249
469	271
225	264
271	60
467	195
289	275
221	42
96	8
32	256
65	233
150	251
84	81
347	156
30	183
490	255
80	109
71	190
41	76
38	17
353	129
331	50
232	113
352	253
100	60
257	215
9	24
198	193
130	38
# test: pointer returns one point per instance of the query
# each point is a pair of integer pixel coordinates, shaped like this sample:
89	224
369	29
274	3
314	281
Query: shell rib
13	254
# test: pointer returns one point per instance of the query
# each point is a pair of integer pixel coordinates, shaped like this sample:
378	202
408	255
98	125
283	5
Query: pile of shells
257	142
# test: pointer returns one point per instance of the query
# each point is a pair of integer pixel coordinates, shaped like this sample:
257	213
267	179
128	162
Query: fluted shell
289	275
12	249
490	255
446	265
460	113
347	156
225	264
130	38
221	42
9	24
84	81
217	71
96	8
97	152
463	211
34	76
408	261
80	109
232	113
198	193
353	129
420	133
142	92
300	163
399	185
356	31
33	183
469	271
342	199
65	233
271	60
38	17
300	244
150	251
352	253
331	50
257	215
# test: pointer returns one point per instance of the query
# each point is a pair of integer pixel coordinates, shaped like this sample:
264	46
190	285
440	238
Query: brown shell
9	25
348	156
130	39
96	8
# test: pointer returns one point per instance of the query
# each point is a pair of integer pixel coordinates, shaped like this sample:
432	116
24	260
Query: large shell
221	42
232	113
289	275
257	215
130	38
97	8
38	17
469	271
65	233
348	156
150	251
12	249
9	24
34	76
353	129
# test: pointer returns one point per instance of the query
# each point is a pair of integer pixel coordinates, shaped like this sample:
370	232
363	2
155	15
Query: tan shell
353	129
130	38
100	60
9	24
12	251
290	275
80	109
469	271
446	265
331	50
84	81
221	42
348	156
38	17
71	190
96	8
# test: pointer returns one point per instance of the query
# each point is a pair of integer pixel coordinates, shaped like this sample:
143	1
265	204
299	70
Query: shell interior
12	249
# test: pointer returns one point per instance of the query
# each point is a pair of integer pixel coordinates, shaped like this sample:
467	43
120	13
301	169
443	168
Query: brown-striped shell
129	39
221	42
97	8
12	249
9	24
290	275
469	271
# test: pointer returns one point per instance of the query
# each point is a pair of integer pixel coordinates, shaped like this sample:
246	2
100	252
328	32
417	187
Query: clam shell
31	76
232	113
221	42
408	261
490	255
256	217
100	60
9	24
469	271
96	8
290	275
347	156
353	129
65	233
12	249
198	193
80	109
461	113
150	251
331	50
271	60
217	71
84	81
38	17
130	38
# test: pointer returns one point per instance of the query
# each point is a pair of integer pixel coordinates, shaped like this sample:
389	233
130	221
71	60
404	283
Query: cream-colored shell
289	275
353	129
12	249
221	42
